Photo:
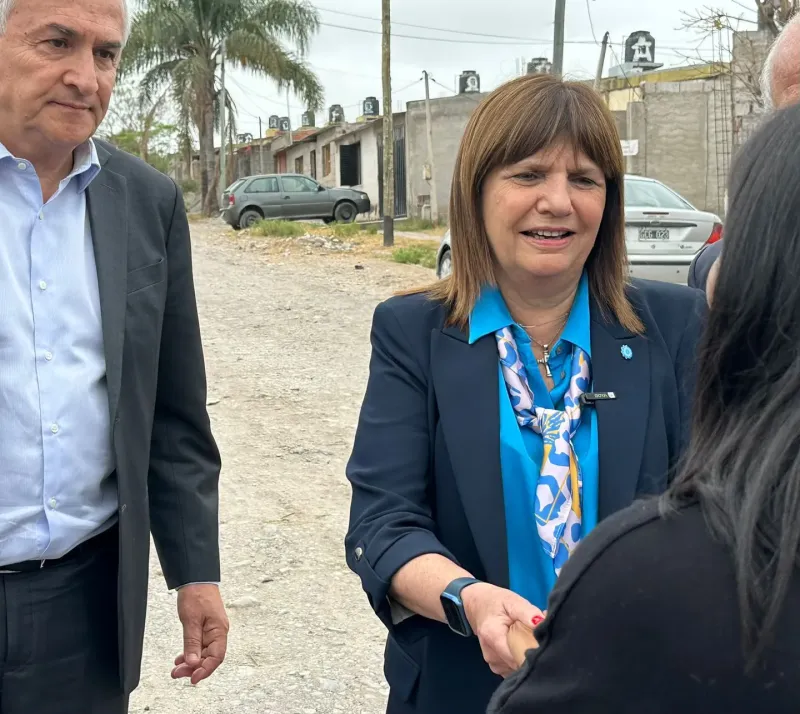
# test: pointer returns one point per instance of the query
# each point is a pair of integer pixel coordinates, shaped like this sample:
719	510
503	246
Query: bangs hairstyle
514	122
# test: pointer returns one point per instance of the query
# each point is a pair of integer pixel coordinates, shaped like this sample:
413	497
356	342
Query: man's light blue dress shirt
55	432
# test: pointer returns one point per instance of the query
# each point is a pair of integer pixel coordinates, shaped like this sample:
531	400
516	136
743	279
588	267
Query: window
298	165
298	184
234	186
312	164
651	194
350	165
264	185
326	160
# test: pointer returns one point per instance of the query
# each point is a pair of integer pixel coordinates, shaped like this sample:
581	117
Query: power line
591	23
512	40
436	39
426	27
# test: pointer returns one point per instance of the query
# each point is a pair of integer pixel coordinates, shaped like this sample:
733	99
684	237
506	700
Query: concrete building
449	117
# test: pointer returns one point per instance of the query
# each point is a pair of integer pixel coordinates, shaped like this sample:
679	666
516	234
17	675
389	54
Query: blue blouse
521	450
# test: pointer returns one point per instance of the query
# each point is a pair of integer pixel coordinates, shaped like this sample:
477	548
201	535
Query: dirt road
287	348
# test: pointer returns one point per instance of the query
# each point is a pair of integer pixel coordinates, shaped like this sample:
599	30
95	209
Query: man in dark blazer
780	87
701	265
104	431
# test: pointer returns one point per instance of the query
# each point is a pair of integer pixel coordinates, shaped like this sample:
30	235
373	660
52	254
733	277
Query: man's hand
205	632
491	612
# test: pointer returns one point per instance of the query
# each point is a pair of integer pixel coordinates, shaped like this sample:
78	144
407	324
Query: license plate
654	234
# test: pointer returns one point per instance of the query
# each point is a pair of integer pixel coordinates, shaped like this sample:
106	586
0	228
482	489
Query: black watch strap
453	606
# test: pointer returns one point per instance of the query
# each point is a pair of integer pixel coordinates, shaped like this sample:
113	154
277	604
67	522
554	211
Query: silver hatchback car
661	227
290	197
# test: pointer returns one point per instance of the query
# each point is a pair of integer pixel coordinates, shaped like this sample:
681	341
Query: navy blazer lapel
621	422
466	385
108	210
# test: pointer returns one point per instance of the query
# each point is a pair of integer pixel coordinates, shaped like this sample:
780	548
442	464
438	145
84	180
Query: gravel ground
303	639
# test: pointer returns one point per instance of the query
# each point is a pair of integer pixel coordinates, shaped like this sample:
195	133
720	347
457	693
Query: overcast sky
346	54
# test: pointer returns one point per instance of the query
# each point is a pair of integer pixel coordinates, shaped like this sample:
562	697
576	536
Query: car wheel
249	218
345	213
328	221
446	265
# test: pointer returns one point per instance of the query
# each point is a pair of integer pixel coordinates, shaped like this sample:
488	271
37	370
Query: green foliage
414	225
280	229
423	255
189	186
345	230
176	45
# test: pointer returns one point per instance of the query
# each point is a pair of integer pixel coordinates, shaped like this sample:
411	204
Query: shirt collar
86	163
491	314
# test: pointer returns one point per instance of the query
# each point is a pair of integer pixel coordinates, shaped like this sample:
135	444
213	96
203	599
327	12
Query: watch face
453	614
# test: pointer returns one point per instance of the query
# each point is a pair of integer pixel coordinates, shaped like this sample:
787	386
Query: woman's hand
491	612
520	640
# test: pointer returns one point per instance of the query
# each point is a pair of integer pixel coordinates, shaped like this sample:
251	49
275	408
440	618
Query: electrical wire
512	40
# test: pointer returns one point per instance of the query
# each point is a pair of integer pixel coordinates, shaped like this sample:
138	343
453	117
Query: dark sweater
645	620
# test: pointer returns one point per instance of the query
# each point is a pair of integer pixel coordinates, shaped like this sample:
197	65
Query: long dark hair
743	464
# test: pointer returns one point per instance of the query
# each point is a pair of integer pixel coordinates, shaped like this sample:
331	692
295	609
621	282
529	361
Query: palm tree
177	44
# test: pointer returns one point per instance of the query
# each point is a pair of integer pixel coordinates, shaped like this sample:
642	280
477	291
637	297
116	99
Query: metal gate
400	202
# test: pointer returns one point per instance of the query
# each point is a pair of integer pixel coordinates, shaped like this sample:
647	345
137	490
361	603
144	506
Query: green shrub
190	186
372	229
279	229
423	255
345	230
415	224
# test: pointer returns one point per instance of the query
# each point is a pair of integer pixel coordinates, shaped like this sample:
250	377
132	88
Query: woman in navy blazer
514	405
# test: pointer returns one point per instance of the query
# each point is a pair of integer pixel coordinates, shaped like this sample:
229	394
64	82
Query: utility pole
388	127
431	165
289	117
223	152
558	38
601	63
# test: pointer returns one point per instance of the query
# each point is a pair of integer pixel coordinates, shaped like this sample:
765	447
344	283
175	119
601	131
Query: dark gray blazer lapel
466	385
108	209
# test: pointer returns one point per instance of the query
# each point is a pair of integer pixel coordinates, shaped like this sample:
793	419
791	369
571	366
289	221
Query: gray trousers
58	635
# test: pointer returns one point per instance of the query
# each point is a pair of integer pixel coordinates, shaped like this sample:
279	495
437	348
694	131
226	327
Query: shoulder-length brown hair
515	121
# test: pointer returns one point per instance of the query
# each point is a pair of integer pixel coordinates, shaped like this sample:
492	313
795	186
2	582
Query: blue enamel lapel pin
627	352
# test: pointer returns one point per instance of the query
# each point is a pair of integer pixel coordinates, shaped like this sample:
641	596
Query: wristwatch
453	606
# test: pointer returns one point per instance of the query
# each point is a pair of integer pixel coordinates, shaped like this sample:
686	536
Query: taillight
716	234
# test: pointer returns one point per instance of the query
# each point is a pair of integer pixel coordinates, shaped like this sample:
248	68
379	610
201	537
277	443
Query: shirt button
41	215
54	428
563	374
22	166
48	356
42	285
53	503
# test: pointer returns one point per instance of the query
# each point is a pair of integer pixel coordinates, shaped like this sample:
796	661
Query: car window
234	186
650	194
264	185
298	184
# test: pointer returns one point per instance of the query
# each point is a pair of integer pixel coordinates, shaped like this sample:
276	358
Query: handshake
503	622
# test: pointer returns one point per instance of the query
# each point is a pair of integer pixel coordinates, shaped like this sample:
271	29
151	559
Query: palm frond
266	56
290	20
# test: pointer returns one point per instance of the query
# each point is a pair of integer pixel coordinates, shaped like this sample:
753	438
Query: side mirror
320	187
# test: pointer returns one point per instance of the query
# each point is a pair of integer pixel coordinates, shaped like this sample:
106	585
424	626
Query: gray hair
768	72
6	6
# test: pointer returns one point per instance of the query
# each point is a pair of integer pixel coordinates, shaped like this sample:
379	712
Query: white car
661	227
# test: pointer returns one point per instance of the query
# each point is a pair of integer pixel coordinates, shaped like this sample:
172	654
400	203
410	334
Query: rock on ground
287	349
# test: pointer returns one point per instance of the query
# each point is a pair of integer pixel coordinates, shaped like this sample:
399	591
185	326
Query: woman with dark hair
515	404
692	604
